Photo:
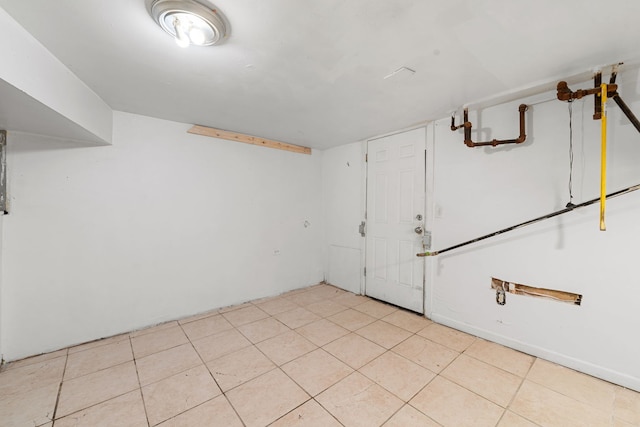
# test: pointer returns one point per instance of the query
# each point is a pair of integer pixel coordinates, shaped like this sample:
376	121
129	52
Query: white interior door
395	219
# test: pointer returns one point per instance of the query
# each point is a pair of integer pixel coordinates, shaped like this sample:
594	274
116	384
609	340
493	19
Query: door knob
418	229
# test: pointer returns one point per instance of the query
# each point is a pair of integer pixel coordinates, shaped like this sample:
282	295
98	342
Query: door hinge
366	157
365	272
361	229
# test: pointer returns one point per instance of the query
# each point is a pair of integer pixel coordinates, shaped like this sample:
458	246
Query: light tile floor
317	356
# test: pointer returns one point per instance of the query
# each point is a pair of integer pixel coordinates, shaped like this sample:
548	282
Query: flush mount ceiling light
191	23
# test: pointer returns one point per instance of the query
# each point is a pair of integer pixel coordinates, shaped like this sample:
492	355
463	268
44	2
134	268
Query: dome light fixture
190	22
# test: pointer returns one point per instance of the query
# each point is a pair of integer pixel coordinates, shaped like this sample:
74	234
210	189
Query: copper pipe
566	94
495	142
453	123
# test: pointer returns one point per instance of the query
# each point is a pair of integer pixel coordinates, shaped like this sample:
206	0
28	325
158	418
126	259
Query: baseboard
544	353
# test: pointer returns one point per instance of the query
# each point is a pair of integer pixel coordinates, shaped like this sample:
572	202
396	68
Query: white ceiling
312	73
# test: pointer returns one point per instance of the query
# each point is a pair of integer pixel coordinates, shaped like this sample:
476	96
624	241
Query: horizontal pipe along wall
486	189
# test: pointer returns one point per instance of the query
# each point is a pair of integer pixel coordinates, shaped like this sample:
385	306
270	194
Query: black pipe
540	218
627	111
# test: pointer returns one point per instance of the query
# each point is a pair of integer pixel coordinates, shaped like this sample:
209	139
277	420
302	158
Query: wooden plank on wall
247	139
519	289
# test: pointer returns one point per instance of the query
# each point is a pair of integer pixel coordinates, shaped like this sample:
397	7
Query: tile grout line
135	363
498	367
103	401
223	393
386	350
564	394
355	332
513	398
55	407
278	367
328	387
438	374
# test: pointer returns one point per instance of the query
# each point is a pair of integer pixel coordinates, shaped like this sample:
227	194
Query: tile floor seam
322	406
327	319
287	413
564	394
262	352
96	341
98	370
235	411
611	415
418	409
223	393
395	412
413	361
194	407
249	380
401	327
504	370
198	316
401	398
439	374
99	403
348	331
619	389
455	381
55	407
475	338
202	360
416	393
137	333
560	393
385	348
324	389
553	391
255	378
477	394
6	366
263	340
151	354
448	348
513	398
135	364
233	307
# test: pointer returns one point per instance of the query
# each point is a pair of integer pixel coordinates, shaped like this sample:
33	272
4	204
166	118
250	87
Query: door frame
429	208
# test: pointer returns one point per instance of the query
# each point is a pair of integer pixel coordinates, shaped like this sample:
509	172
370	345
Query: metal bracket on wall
3	171
566	94
494	142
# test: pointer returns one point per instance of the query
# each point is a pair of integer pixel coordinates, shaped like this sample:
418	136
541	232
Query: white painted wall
162	224
70	102
481	190
472	192
343	208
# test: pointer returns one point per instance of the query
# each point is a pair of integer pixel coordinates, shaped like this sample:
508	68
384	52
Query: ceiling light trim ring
178	18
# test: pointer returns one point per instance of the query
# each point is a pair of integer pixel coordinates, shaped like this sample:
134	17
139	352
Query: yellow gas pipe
603	155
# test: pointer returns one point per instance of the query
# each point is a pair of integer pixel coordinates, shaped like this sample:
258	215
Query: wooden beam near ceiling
247	139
